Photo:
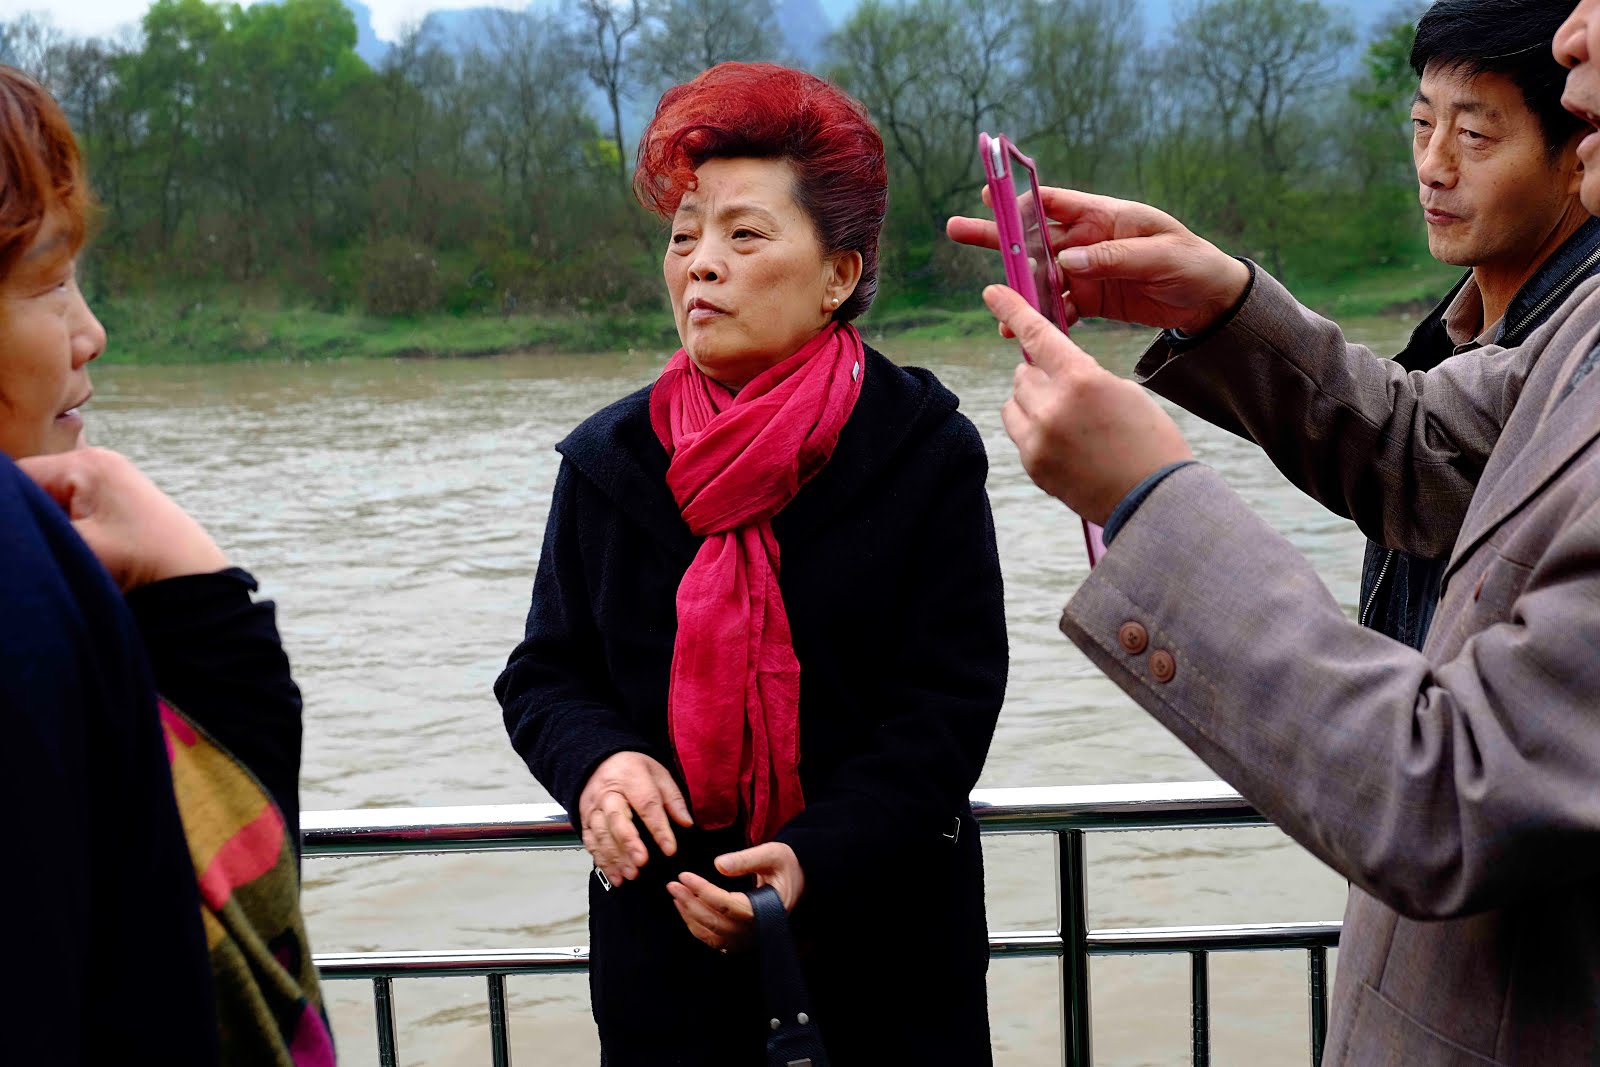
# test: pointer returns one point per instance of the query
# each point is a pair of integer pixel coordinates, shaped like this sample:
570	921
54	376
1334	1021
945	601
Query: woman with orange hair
152	731
767	643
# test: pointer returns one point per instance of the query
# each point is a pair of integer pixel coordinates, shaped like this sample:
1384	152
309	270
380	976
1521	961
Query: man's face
1489	188
1576	45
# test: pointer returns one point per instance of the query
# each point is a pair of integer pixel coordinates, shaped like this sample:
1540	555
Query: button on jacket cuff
1282	694
1130	503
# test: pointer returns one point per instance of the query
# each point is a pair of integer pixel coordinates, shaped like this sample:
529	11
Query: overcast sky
96	17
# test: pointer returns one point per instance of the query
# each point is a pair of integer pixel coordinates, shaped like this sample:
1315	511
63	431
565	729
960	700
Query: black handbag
795	1040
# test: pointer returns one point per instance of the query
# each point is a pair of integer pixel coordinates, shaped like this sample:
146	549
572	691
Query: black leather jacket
1399	591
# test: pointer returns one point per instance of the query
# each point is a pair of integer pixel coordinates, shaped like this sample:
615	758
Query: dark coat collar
1541	295
617	450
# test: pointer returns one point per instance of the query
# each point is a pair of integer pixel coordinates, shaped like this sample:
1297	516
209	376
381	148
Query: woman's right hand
138	533
624	783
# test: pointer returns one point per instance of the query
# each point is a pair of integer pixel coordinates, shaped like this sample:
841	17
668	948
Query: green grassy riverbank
219	330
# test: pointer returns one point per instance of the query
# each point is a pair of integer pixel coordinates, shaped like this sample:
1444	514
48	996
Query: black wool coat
892	585
102	910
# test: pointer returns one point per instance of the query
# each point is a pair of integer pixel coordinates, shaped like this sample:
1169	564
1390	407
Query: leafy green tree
1378	144
293	64
1390	84
250	149
171	84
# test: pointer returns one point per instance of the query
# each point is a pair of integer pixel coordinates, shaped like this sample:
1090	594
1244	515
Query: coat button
1133	638
1162	665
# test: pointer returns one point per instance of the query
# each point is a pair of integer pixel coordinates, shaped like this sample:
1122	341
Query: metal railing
1068	813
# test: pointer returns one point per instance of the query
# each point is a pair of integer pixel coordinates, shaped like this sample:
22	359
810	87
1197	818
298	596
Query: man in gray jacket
1497	181
1458	787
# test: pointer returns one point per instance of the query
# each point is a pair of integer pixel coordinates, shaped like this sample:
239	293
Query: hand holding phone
1030	262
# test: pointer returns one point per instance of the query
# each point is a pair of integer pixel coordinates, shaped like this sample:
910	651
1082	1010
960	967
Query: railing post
499	1028
1072	893
383	1003
1199	1010
1319	1002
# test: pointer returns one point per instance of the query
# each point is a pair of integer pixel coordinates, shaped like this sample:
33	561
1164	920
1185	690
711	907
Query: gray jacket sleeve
1400	453
1430	785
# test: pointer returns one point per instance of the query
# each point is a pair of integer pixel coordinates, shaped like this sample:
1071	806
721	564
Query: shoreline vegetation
267	191
157	330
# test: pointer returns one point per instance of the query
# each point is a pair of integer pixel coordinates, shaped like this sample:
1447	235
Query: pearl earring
835	301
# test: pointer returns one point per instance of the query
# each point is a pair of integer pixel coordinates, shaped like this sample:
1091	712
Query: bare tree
32	43
1084	94
530	111
606	27
1258	64
933	73
685	37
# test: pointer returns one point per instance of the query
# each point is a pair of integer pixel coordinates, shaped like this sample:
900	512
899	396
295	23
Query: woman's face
48	335
745	270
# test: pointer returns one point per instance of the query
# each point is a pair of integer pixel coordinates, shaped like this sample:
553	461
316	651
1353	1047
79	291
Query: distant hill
368	45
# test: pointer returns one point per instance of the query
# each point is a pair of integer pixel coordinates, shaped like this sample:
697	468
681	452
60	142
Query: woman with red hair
151	756
767	642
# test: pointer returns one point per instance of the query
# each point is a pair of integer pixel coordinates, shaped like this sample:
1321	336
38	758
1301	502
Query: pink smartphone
1024	243
1025	250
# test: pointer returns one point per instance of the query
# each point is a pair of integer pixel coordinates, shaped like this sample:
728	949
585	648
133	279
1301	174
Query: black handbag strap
794	1030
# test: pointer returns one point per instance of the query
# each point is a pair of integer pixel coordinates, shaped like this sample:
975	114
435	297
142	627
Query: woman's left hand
725	920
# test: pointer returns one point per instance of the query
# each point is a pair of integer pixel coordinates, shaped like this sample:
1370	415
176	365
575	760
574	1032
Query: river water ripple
394	510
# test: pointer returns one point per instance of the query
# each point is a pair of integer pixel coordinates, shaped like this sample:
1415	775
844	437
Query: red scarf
733	708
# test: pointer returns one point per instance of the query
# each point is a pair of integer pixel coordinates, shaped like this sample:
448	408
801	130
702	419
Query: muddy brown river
394	511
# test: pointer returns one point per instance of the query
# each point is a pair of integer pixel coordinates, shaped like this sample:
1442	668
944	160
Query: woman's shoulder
615	461
915	398
623	422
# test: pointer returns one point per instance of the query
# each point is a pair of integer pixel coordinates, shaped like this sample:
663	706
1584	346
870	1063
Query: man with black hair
1498	176
1456	787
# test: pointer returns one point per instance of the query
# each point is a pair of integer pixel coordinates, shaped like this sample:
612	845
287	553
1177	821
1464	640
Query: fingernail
1074	258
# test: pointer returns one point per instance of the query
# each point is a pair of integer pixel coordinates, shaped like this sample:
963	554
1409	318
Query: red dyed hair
41	172
767	111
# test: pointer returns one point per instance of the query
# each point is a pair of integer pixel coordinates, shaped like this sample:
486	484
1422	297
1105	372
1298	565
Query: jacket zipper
1372	597
1558	293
